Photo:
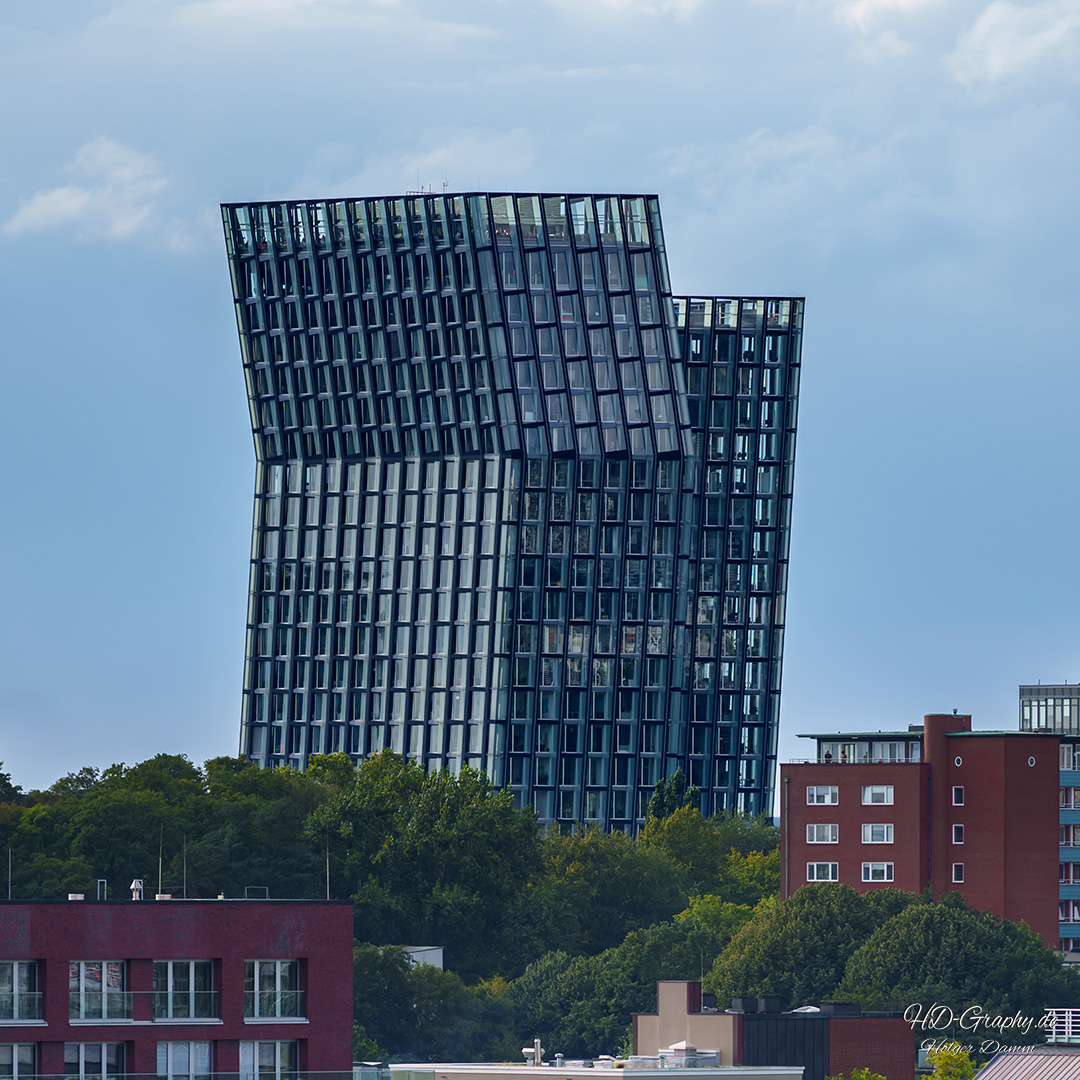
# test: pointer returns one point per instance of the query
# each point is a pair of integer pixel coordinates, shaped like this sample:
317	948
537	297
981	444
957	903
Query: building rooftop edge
150	901
448	195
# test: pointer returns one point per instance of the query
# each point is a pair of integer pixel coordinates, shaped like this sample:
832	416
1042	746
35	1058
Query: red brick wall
885	1044
229	932
907	815
1010	819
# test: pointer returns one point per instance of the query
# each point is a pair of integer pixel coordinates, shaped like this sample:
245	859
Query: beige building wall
677	1019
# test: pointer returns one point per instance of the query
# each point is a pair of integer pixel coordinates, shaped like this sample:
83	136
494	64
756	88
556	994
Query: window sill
188	1020
98	1021
275	1020
23	1023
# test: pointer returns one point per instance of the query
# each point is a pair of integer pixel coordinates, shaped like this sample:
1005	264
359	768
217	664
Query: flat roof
911	735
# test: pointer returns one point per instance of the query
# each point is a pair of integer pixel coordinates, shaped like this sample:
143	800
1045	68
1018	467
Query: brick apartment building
175	988
938	806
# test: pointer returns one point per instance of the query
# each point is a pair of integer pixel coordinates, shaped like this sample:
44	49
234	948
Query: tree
9	792
858	1074
670	795
431	857
598	886
799	948
951	1065
949	953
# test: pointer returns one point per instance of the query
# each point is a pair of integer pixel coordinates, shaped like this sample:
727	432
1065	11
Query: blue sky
910	166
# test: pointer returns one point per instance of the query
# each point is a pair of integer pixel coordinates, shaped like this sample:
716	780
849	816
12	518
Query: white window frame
19	1069
251	1069
112	1002
198	1054
19	995
186	1005
833	871
869	790
102	1071
958	834
830	791
280	1003
868	835
958	795
878	871
814	834
958	873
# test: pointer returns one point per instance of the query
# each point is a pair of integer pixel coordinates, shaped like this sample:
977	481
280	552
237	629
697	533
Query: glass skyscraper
516	506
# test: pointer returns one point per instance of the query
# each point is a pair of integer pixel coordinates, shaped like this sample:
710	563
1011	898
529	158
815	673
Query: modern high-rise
516	506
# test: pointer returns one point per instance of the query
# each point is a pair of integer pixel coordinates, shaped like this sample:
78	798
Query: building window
183	1060
877	834
958	872
877	871
97	990
877	795
18	1061
272	989
268	1060
821	834
184	989
822	871
958	834
19	999
92	1060
958	796
821	795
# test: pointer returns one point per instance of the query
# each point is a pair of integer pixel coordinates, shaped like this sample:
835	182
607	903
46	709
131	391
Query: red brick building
938	806
176	988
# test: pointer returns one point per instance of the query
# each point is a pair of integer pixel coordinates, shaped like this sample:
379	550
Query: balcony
274	1005
20	1006
1064	1026
99	1005
186	1005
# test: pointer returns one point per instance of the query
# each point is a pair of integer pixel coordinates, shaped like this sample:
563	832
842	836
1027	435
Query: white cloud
466	161
680	9
304	16
886	46
864	12
113	197
1007	39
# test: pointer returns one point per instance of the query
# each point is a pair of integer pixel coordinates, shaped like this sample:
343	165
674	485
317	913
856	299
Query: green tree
9	792
742	833
431	857
598	886
948	953
858	1074
799	948
693	845
670	795
951	1065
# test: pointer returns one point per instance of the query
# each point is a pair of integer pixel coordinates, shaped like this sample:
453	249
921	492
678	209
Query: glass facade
516	506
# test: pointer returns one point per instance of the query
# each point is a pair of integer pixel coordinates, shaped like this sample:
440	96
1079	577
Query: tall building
1055	709
516	507
938	806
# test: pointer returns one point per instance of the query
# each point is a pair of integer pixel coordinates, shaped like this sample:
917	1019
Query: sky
909	166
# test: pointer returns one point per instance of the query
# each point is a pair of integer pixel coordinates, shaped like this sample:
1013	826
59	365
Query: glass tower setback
516	506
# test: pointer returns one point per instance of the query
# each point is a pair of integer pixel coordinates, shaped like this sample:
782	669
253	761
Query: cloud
864	12
306	16
1007	40
680	9
886	46
466	160
114	196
